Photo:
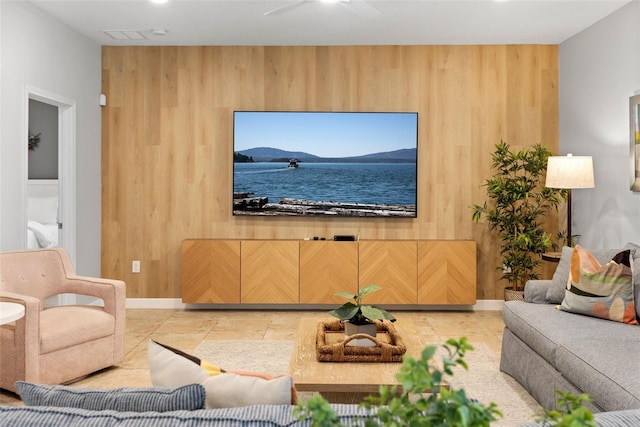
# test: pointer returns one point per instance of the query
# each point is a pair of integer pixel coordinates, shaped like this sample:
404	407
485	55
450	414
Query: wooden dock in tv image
246	203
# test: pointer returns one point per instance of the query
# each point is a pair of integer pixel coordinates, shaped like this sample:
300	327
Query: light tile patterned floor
185	329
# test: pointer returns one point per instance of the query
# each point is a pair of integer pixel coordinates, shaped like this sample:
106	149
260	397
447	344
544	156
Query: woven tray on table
388	344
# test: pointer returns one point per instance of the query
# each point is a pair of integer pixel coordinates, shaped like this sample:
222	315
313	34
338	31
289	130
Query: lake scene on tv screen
325	164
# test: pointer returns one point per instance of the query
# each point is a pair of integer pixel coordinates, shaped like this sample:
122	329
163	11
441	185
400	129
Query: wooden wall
167	140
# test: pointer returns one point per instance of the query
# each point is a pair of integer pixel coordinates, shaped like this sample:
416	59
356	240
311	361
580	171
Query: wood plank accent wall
167	140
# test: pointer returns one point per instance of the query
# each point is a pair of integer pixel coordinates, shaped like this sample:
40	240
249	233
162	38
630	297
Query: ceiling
360	22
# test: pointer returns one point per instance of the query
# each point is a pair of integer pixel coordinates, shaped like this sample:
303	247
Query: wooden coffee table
345	382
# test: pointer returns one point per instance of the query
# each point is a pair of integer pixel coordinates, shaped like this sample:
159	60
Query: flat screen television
330	164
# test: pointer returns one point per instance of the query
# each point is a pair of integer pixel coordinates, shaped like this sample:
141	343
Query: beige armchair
56	345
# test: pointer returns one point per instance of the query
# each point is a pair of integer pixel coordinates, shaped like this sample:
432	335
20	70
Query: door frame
66	164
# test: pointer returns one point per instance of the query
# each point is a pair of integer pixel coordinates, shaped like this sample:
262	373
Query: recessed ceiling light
159	1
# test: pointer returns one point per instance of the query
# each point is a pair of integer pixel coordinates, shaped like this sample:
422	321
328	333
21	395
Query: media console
410	272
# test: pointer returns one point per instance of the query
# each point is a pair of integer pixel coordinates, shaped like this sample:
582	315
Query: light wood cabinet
270	272
289	272
446	272
211	271
327	267
393	266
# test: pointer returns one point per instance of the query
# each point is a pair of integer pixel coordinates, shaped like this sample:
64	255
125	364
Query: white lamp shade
570	172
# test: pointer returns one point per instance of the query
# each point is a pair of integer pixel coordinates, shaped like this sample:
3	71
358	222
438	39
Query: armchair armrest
535	291
112	292
27	333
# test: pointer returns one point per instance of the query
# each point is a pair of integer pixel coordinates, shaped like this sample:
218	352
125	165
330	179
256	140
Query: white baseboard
176	303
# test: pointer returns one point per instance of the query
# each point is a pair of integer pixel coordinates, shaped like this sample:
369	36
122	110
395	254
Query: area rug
265	356
483	380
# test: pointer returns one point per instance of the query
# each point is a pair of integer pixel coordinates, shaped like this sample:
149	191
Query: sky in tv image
333	164
326	134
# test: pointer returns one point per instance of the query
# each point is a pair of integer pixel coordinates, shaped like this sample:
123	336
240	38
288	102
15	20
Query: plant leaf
367	290
372	313
346	295
345	312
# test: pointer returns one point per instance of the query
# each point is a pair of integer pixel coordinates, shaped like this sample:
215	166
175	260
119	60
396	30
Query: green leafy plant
519	204
357	313
421	401
563	239
572	412
424	401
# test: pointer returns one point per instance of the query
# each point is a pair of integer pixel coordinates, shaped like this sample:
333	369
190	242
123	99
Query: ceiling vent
124	34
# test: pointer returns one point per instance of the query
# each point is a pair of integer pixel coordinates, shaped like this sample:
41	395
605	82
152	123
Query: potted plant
519	204
358	318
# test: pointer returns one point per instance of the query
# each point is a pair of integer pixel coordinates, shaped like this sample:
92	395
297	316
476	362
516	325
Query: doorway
58	188
44	226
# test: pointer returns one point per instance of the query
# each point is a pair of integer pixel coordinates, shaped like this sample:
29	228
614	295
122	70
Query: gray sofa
249	416
256	415
546	349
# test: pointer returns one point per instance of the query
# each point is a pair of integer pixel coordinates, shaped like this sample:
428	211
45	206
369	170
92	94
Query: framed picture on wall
634	137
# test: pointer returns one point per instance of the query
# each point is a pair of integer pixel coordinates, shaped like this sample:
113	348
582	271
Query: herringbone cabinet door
270	272
447	272
391	265
327	267
211	271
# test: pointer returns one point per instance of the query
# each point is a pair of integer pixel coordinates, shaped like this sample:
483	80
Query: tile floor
185	329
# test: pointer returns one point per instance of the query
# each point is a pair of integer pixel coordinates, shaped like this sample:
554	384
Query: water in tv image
325	164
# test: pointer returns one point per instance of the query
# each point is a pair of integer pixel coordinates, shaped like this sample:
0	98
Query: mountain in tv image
269	154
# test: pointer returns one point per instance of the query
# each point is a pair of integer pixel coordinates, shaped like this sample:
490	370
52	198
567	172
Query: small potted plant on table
359	318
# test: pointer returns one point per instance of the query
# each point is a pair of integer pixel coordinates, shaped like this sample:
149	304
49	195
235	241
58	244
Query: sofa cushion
171	367
607	419
604	291
555	293
544	328
96	323
255	415
158	399
606	369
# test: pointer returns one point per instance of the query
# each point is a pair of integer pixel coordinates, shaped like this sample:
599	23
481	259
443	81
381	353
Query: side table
552	256
10	312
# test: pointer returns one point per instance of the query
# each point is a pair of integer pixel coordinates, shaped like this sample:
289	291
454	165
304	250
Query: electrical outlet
135	266
506	269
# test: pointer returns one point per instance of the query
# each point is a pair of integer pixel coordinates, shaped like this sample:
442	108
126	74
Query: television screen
331	164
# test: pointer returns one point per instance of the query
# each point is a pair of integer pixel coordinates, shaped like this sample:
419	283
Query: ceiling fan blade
282	9
361	8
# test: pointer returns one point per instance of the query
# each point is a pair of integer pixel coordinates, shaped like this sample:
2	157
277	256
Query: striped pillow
604	291
125	399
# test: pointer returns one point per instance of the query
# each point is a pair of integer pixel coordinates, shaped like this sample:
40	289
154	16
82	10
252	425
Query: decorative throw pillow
555	292
172	367
635	251
604	291
144	399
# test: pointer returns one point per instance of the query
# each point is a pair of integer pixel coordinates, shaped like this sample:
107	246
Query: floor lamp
569	172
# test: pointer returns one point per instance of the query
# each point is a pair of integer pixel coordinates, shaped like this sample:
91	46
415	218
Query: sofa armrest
535	291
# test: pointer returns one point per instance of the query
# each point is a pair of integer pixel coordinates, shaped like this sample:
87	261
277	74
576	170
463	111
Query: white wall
38	51
599	71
